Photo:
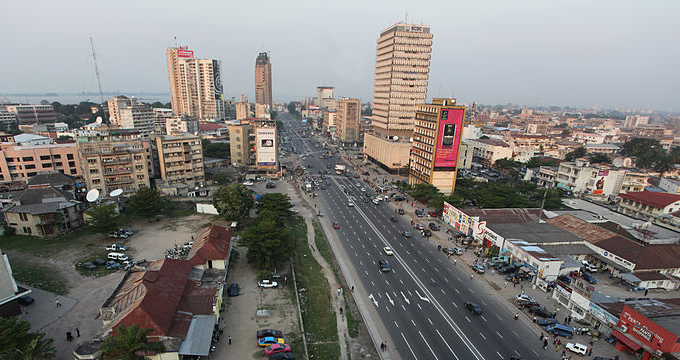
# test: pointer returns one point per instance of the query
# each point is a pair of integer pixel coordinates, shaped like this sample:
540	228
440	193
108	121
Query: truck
339	169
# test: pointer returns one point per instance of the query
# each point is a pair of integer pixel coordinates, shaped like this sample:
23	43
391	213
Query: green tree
600	158
647	151
576	153
538	161
268	241
147	201
664	164
233	202
424	192
103	218
216	150
16	342
130	343
277	203
507	164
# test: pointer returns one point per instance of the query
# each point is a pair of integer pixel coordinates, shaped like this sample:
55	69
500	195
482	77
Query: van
588	266
561	330
234	225
117	256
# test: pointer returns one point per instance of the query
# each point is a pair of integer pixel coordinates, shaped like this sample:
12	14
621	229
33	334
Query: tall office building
195	85
436	143
348	117
324	94
402	65
263	80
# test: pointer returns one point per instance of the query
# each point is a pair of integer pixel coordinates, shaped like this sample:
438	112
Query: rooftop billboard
448	138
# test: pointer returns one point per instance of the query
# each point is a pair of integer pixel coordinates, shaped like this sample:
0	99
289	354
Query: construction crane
96	71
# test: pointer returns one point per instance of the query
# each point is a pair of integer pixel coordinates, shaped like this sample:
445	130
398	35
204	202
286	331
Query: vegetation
233	202
537	161
146	202
651	155
600	158
216	150
130	343
16	342
73	115
576	153
103	218
267	238
367	112
39	274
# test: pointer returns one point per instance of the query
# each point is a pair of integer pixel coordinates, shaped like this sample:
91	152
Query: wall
206	209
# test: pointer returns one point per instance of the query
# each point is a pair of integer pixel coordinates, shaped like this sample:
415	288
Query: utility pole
96	71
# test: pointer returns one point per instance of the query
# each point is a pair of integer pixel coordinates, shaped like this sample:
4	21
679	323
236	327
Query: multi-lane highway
420	302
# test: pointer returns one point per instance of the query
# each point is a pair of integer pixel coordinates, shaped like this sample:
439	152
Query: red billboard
185	53
448	138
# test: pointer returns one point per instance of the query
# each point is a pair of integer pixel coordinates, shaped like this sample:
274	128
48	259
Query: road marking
534	351
499	318
499	354
409	346
446	343
456	291
516	352
402	306
401	282
482	335
428	345
428	319
447	280
424	270
395	324
454	304
458	278
413	322
387	308
361	263
442	290
380	295
419	307
471	290
483	302
499	335
422	298
435	269
366	272
466	318
483	318
513	331
375	302
427	260
372	283
355	254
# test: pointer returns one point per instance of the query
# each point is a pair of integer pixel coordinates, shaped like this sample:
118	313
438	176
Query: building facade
323	95
349	115
178	161
195	85
489	150
20	162
266	145
263	80
33	114
401	78
44	212
241	143
648	205
436	144
181	125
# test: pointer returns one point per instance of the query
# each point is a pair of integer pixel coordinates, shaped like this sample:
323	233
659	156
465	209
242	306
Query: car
270	340
406	234
546	322
363	189
248	183
394	219
473	308
589	278
233	289
117	235
513	357
269	332
365	200
427	233
479	269
25	300
419	213
420	226
376	202
358	185
293	211
116	247
384	266
320	214
336	225
270	185
541	311
267	284
433	226
125	231
88	266
350	203
388	250
365	173
458	251
99	262
400	211
448	251
112	265
127	265
577	348
526	304
565	279
277	348
523	297
282	356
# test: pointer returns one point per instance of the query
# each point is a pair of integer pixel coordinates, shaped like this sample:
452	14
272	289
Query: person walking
57	301
69	336
229	339
545	343
77	332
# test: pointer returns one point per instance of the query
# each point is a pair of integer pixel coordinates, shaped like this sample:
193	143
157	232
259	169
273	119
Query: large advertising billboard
184	52
448	138
456	218
217	79
266	146
599	184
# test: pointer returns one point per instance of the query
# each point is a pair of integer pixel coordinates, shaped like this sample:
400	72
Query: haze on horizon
613	54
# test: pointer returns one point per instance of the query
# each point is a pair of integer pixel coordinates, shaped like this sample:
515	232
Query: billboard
599	184
456	218
184	52
448	138
266	146
217	79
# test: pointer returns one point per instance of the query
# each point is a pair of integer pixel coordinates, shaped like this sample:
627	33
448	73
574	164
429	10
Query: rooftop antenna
96	71
175	41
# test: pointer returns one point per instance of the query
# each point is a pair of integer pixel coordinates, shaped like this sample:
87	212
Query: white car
524	297
248	183
358	185
388	250
577	348
350	203
267	284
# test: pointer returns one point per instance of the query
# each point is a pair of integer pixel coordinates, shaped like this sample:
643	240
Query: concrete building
178	161
8	120
109	164
323	95
20	162
244	110
349	114
43	212
633	121
648	205
241	143
401	78
670	185
436	144
10	291
138	116
195	85
263	80
161	116
181	125
266	145
489	150
602	180
33	114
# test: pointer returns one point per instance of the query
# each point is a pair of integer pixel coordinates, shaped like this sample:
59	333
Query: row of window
42	157
43	165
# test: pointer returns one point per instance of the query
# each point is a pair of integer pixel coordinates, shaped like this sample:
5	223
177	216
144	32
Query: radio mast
96	71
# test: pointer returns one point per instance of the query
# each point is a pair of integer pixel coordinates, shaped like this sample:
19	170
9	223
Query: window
57	156
44	157
94	171
72	164
96	181
69	156
12	167
23	216
58	163
47	165
31	174
9	159
73	171
27	230
27	158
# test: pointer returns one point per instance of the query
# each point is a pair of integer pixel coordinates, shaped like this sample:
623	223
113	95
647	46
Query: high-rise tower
263	80
402	65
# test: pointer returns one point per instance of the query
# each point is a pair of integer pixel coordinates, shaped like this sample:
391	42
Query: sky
583	53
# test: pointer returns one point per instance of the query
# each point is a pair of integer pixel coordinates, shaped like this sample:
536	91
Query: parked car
565	279
526	304
388	251
99	262
541	311
394	219
400	211
427	233
419	213
546	322
270	340
267	284
112	265
118	235
384	266
116	247
127	265
88	266
25	300
577	348
233	289
406	234
420	226
270	185
479	269
523	297
433	226
449	251
589	278
125	231
282	356
248	183
473	308
269	332
276	348
336	225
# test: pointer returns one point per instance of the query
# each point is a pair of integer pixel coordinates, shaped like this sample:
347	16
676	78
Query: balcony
118	171
116	161
120	181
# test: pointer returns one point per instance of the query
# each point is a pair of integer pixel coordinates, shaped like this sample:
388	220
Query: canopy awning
626	340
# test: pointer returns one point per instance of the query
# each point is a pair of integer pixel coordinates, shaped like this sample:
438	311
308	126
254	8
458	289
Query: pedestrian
338	291
77	332
341	310
471	276
385	344
590	351
545	343
57	301
592	342
69	336
559	342
535	319
564	352
555	341
229	339
352	288
514	284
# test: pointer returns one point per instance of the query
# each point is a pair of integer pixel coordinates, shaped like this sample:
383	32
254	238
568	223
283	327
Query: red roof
657	200
212	244
211	126
649	257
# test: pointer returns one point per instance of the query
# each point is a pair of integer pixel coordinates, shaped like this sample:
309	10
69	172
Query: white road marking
409	346
499	354
466	318
454	304
446	343
513	331
482	335
428	319
395	324
499	335
457	291
428	345
483	318
413	322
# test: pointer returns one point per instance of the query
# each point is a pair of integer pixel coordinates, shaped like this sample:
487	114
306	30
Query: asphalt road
421	301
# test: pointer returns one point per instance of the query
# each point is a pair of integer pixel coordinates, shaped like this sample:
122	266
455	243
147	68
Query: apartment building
489	150
8	120
113	163
402	68
323	95
349	114
161	116
33	114
20	162
526	146
648	205
241	141
181	125
178	161
244	110
599	179
263	80
436	143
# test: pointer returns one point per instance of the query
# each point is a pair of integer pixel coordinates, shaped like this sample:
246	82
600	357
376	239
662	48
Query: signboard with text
458	219
266	149
185	53
448	138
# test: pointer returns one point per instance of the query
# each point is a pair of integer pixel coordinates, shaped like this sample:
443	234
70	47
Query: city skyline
577	54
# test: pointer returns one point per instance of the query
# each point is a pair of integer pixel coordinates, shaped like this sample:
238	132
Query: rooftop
657	200
534	233
505	216
492	142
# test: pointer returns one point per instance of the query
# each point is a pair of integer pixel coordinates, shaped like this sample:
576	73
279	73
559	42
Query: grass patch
353	324
175	209
318	316
40	275
322	245
38	245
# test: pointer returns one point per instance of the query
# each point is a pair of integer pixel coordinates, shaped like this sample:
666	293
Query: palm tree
37	349
130	343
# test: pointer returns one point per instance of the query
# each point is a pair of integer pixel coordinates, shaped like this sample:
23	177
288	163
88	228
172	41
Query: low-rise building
648	205
33	114
489	150
43	212
19	162
649	327
670	185
10	291
183	124
113	163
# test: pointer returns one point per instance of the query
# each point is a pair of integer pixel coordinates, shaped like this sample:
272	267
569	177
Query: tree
647	151
130	343
576	153
147	202
103	218
268	241
538	161
16	342
277	203
664	164
216	150
367	112
600	158
424	192
233	202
